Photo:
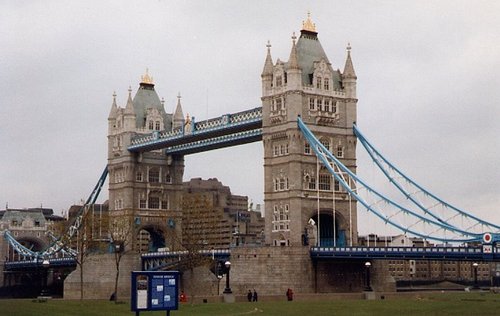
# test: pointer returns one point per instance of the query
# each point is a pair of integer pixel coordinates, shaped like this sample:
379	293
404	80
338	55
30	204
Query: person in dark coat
249	295
255	297
289	294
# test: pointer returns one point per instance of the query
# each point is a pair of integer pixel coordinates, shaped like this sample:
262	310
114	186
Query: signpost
154	291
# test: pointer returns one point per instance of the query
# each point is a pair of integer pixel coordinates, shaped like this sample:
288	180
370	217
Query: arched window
325	142
157	125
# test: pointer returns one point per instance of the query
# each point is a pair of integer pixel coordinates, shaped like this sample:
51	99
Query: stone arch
326	228
32	243
151	237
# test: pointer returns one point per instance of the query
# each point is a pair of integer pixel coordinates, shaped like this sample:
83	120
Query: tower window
336	186
340	152
327	84
327	105
151	125
157	125
318	82
142	204
312	184
138	176
326	143
154	176
311	104
279	81
334	107
279	104
324	182
168	178
307	149
153	202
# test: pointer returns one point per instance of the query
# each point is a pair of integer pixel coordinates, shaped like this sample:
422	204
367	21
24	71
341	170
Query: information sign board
154	291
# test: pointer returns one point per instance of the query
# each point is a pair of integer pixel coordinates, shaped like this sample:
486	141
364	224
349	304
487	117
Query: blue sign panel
155	290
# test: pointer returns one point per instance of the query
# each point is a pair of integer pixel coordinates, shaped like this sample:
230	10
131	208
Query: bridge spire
178	114
349	68
293	62
268	64
114	107
129	109
349	76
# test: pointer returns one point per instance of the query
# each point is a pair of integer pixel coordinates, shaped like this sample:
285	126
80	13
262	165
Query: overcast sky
428	86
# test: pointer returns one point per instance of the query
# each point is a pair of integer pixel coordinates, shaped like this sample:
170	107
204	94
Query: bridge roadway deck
161	260
479	253
229	129
37	264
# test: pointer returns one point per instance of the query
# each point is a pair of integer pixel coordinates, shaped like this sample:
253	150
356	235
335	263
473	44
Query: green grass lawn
429	304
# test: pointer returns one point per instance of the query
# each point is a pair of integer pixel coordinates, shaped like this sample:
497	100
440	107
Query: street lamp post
45	265
227	290
219	277
475	265
368	287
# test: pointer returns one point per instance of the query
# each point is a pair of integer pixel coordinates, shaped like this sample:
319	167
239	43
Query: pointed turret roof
293	62
114	107
268	64
349	68
129	109
178	114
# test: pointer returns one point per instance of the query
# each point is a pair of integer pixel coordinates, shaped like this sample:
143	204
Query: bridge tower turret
297	191
144	187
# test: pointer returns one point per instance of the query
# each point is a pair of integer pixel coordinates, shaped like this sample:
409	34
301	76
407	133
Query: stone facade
145	187
99	273
296	189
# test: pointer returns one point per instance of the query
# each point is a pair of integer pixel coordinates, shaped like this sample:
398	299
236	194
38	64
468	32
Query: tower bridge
311	189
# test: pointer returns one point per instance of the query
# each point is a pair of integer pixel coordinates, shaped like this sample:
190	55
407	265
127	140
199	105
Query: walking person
249	296
255	297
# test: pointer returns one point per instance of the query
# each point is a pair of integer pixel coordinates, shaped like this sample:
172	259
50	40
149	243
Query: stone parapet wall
99	277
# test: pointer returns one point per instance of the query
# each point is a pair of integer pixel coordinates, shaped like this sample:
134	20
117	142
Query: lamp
368	287
227	290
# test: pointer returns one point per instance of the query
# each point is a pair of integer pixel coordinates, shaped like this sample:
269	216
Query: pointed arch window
325	142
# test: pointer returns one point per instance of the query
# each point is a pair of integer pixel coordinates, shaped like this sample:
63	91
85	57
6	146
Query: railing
169	259
226	121
434	253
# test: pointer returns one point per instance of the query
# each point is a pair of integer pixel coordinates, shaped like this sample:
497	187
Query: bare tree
79	233
121	232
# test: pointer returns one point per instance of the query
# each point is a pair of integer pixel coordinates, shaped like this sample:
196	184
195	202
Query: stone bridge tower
300	197
145	188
